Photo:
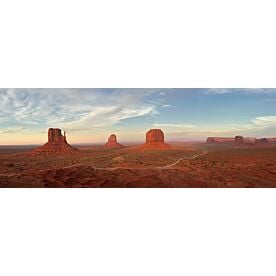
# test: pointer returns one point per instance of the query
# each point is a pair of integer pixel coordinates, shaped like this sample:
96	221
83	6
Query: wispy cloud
221	91
169	125
12	130
74	108
264	121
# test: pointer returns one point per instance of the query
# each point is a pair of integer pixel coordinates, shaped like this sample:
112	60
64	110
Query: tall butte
57	144
112	142
155	140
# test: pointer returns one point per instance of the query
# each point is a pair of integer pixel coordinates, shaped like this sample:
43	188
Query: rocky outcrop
57	144
155	140
112	142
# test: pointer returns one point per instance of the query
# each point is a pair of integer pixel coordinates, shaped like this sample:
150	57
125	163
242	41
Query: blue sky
90	115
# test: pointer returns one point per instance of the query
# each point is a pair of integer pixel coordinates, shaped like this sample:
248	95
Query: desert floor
185	165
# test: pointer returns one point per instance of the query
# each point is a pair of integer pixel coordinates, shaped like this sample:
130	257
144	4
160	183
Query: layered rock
112	142
155	140
57	144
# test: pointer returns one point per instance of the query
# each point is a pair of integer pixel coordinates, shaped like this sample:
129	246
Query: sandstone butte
112	142
155	140
56	145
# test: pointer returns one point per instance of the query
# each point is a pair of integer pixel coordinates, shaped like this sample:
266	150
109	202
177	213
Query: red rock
271	140
239	140
57	144
262	141
155	140
55	136
250	140
219	140
112	142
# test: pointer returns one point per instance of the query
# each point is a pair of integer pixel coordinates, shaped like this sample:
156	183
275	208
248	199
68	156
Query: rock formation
239	140
271	140
112	142
262	141
219	140
155	140
57	144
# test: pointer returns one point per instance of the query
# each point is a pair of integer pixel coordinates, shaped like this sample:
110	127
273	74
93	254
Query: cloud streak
74	108
12	130
221	91
169	125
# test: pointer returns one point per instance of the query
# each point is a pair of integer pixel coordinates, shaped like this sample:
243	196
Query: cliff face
155	136
57	144
155	140
112	142
55	136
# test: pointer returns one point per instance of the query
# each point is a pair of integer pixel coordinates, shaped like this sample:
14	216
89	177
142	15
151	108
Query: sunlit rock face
155	140
57	144
155	135
112	142
55	136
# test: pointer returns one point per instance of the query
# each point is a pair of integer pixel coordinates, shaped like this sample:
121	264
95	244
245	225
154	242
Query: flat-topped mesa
112	142
155	139
262	141
271	140
220	140
57	144
240	140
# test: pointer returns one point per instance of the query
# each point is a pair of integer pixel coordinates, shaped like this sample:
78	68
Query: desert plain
186	164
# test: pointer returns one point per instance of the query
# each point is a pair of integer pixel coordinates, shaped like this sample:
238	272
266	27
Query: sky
91	115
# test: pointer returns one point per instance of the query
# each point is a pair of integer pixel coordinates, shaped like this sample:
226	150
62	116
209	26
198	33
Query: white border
145	43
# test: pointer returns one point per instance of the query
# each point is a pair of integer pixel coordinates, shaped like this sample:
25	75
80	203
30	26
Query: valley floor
185	165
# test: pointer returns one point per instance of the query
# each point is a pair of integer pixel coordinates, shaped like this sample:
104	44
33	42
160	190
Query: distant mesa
271	140
262	141
112	142
57	144
155	140
240	140
219	140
